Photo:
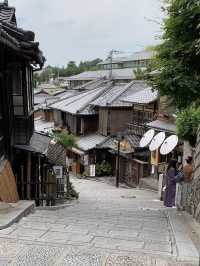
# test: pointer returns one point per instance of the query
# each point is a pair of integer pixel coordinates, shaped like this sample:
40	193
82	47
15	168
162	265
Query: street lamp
119	138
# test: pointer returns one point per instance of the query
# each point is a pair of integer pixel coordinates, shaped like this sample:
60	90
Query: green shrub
103	169
66	140
86	173
71	193
187	123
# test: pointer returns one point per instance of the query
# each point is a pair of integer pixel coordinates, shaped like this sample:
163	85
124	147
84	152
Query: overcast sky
86	29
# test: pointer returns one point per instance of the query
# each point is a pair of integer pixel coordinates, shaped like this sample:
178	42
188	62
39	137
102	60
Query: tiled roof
41	144
80	103
7	14
90	142
114	96
110	143
90	85
43	126
18	39
117	74
44	98
162	125
143	55
144	96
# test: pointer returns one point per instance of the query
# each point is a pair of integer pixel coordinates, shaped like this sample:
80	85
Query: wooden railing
44	190
138	130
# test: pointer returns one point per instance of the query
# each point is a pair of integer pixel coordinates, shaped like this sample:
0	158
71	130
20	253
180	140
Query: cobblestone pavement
108	226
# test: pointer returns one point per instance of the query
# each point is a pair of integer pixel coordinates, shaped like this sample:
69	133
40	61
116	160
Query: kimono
170	191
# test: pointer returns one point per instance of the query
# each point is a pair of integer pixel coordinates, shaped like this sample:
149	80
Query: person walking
179	186
170	191
187	184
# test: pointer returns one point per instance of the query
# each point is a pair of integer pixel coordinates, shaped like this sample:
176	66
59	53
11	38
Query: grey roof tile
142	55
162	125
125	74
90	142
16	38
144	96
114	97
41	144
110	143
80	103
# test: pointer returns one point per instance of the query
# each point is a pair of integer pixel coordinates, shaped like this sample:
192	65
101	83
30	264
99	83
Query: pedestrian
179	186
170	190
188	170
187	184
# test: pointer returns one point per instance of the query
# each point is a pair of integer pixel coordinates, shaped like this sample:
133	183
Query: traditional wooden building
136	60
98	114
19	58
76	114
134	161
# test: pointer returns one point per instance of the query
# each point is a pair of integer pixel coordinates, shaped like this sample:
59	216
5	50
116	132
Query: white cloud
85	29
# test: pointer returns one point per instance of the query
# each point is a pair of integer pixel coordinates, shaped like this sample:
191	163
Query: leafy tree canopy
178	58
187	124
71	69
68	141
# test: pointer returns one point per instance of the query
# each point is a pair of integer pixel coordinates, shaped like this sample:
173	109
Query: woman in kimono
170	191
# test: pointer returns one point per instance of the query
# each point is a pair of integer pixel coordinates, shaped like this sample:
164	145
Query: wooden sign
8	188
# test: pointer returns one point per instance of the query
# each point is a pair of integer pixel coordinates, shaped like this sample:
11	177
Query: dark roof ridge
89	83
126	87
79	94
107	86
11	18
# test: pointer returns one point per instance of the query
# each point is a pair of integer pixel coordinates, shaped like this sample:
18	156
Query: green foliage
103	169
71	193
187	123
71	69
66	140
139	74
86	173
178	57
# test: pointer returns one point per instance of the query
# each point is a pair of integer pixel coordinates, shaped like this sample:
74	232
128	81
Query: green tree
187	124
71	69
68	141
178	57
139	74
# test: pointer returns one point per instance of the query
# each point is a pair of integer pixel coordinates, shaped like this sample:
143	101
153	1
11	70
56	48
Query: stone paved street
108	226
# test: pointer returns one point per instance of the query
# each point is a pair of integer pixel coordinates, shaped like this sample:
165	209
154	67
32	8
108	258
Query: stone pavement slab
14	212
186	251
102	229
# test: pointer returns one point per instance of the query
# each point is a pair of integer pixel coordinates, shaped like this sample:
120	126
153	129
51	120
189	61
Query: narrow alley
107	226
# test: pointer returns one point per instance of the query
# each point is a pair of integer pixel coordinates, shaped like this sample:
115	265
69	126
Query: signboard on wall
58	170
155	157
92	170
86	160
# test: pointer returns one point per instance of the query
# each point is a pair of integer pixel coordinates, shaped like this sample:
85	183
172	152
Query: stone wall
194	199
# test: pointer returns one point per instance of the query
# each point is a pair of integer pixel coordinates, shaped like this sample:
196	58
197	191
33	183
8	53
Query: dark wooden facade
113	120
18	54
19	57
75	123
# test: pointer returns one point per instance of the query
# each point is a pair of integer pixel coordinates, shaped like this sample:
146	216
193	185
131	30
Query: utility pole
120	138
118	163
111	53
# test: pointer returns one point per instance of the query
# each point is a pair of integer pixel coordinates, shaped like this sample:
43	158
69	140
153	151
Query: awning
162	125
38	144
77	151
89	142
41	144
127	146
